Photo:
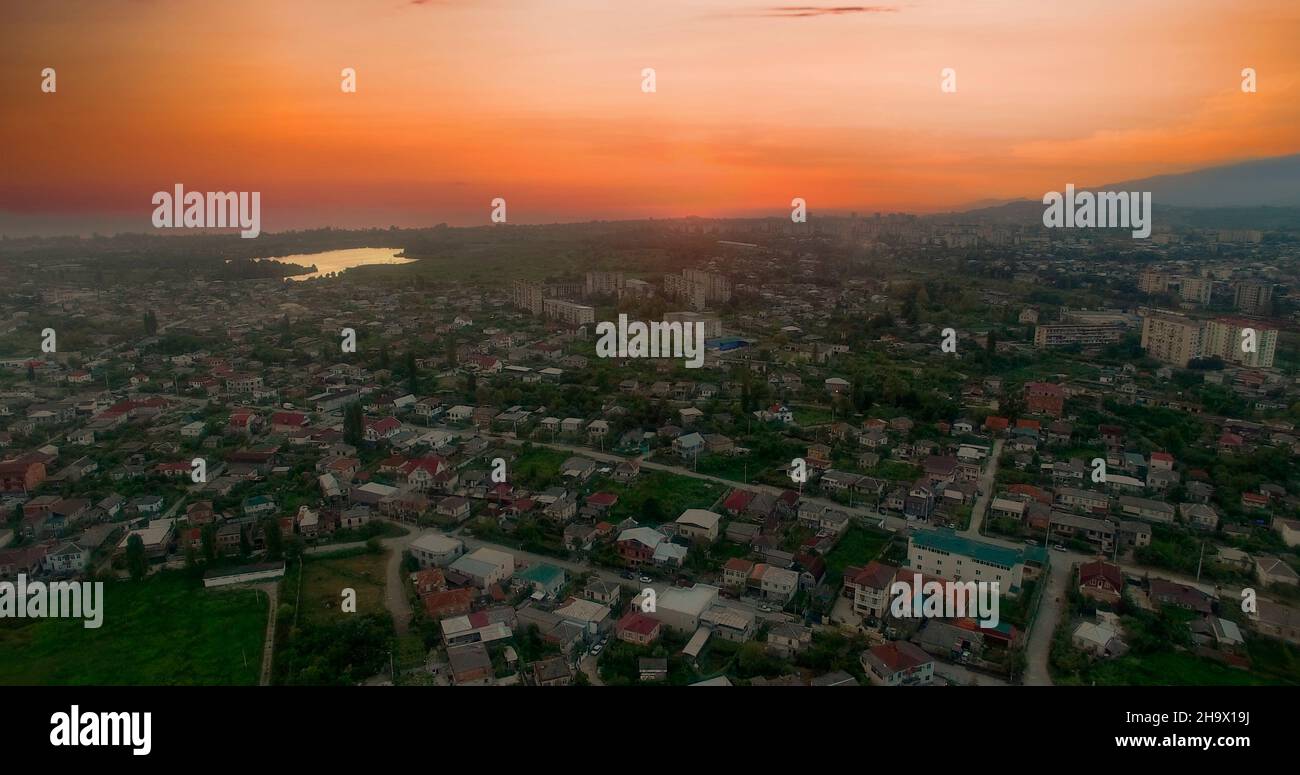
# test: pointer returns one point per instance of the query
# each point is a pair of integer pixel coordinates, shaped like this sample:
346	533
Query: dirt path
394	590
268	648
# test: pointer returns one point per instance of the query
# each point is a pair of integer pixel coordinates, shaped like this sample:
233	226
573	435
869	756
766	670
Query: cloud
796	11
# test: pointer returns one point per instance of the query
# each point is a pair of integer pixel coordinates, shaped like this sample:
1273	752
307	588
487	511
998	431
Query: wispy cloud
797	11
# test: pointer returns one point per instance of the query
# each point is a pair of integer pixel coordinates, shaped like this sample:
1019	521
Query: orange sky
539	101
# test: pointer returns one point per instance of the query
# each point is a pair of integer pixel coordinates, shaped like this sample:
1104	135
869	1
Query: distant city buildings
605	283
533	298
697	288
1188	287
618	285
1254	297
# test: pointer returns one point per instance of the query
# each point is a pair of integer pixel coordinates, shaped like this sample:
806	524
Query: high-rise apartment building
1254	297
605	284
1188	287
527	296
1195	289
568	312
698	288
1178	339
1171	338
1225	337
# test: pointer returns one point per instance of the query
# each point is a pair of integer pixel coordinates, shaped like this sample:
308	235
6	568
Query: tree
353	424
651	510
412	373
208	538
137	564
274	539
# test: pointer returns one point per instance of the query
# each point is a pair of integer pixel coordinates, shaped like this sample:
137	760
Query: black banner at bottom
215	725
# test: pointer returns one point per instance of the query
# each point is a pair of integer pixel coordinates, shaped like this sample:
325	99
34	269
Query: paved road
986	484
1038	647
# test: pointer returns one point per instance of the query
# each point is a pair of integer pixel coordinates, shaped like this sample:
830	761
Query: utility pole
1199	560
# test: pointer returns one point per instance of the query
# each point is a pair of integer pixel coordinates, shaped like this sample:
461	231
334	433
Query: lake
338	260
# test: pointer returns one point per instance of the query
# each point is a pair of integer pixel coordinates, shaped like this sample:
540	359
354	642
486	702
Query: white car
596	648
645	579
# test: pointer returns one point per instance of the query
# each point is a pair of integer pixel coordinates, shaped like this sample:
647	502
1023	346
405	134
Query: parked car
645	579
1060	548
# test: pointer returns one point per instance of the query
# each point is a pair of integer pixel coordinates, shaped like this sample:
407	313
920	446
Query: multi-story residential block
1254	297
1171	338
568	312
1226	338
527	296
948	555
1064	334
605	283
698	288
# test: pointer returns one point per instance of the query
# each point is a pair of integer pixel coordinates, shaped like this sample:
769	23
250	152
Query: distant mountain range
1260	183
1261	194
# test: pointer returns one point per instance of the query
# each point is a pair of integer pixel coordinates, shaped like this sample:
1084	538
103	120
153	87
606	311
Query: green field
317	644
1175	668
324	577
672	492
859	546
166	629
537	467
811	414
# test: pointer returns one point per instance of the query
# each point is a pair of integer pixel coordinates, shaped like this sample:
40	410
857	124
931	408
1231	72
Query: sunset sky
540	102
